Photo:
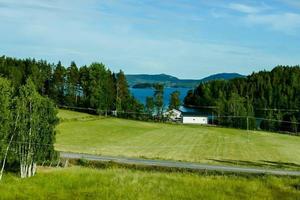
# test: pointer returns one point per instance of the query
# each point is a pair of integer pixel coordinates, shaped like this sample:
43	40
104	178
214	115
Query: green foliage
175	100
58	83
96	86
159	99
34	128
255	95
72	85
92	86
122	92
5	113
150	105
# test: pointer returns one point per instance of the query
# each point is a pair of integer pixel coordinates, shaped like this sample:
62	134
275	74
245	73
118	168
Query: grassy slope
67	115
112	183
111	136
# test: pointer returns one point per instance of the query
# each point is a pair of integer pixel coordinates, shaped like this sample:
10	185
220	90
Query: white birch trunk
7	148
33	169
28	170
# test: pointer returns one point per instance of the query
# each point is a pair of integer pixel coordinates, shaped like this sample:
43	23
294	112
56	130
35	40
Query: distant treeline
93	86
273	98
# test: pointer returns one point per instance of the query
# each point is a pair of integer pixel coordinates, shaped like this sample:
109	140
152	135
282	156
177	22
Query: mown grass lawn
120	137
118	183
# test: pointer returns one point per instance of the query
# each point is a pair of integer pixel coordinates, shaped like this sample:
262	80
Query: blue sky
185	38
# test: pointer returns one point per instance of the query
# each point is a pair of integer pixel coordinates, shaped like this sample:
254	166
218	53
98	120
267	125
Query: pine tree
84	86
123	94
72	85
58	84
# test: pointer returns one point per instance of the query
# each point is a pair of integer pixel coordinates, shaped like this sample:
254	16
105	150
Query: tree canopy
273	98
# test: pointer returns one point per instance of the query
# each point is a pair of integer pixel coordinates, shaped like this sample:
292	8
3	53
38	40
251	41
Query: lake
142	93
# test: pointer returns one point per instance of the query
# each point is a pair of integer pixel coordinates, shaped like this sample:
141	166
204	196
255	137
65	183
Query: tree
294	124
35	128
236	109
109	91
97	75
84	86
159	99
123	94
267	94
72	84
5	120
58	84
174	100
150	105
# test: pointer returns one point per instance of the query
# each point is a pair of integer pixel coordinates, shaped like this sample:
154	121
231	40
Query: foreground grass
119	137
116	183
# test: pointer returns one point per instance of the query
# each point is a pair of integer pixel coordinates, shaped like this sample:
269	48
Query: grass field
120	137
119	183
67	115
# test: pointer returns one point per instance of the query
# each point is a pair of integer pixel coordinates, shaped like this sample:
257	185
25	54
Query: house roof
192	115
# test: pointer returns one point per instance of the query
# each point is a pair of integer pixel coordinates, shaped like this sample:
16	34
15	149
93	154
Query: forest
94	86
31	91
267	100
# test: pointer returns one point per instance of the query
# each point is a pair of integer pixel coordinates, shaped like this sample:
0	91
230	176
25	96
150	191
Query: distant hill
144	80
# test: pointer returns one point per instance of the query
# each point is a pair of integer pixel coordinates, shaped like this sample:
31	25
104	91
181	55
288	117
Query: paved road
176	164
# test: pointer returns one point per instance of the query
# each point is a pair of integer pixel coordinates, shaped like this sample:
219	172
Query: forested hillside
139	80
93	86
271	100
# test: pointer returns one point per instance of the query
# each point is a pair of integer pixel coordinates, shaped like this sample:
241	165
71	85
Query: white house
185	117
174	115
194	120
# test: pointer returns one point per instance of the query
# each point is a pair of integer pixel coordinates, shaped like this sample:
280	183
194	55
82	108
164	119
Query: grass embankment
119	183
120	137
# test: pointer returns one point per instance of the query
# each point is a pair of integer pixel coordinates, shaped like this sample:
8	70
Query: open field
68	115
119	137
119	183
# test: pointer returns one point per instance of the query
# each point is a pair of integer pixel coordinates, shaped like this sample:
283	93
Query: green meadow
120	183
82	133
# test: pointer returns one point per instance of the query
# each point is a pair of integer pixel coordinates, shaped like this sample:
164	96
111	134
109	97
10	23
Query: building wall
194	120
173	115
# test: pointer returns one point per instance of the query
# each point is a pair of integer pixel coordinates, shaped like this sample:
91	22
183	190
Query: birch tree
35	129
5	120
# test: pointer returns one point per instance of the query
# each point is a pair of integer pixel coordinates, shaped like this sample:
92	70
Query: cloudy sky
185	38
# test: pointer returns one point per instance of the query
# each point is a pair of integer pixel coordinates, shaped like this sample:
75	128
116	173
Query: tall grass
120	183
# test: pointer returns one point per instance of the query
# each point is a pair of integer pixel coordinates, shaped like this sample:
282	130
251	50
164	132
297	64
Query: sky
184	38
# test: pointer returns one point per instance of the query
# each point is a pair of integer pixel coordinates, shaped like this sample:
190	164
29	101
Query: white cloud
243	8
285	22
272	18
292	2
137	38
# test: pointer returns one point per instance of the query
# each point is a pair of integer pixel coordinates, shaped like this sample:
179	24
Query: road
177	164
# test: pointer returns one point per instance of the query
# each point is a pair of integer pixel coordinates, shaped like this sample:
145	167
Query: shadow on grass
260	163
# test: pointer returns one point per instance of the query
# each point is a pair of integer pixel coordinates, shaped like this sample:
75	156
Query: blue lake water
142	93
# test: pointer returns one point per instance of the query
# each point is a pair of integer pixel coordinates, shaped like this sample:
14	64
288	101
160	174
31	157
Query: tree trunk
33	169
7	148
28	170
